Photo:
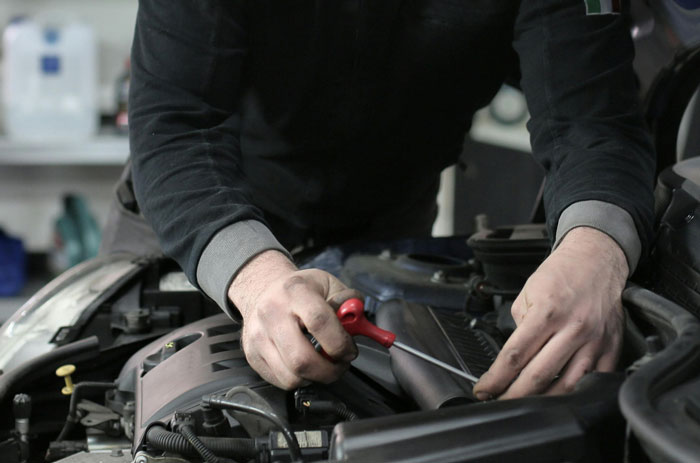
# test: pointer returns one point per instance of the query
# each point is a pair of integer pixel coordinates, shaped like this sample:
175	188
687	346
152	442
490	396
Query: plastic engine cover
677	251
175	371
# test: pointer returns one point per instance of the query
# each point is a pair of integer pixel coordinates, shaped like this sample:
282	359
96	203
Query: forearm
601	246
256	275
233	251
183	116
614	222
586	126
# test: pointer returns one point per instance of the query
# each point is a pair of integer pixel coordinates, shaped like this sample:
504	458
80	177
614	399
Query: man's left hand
570	320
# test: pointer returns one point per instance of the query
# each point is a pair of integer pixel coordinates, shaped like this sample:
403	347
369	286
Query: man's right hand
277	302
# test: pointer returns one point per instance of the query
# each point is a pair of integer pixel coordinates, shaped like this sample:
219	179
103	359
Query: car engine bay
140	367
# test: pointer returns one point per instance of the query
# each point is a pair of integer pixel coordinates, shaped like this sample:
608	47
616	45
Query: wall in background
30	196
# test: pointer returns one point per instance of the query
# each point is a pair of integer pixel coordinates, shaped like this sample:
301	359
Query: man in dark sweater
258	126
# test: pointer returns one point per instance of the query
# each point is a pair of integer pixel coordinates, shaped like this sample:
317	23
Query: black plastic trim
668	437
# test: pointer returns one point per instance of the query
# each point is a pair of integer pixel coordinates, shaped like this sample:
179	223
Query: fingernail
482	395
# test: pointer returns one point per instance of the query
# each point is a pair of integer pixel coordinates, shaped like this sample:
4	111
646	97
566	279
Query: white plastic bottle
50	81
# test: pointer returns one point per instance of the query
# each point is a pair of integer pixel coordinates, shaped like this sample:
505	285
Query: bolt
65	372
22	406
654	344
689	218
137	321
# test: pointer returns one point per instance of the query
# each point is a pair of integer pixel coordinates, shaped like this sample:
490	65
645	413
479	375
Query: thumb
339	293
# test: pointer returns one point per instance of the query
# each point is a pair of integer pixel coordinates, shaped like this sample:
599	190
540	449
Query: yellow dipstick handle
64	372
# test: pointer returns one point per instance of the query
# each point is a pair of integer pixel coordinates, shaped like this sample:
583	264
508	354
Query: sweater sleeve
586	127
187	62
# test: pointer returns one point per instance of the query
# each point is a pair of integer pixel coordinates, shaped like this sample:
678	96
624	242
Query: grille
229	364
223	329
226	346
474	347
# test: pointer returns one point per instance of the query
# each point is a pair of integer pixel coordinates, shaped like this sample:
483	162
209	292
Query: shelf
103	150
113	150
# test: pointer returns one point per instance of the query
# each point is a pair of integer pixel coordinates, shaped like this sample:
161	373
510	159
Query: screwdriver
352	316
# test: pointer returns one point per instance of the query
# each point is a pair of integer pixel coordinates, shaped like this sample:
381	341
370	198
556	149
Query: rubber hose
239	448
335	408
642	394
282	425
207	455
673	318
487	290
73	407
84	349
345	413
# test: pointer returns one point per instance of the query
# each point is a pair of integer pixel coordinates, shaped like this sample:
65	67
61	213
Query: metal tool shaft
352	316
435	361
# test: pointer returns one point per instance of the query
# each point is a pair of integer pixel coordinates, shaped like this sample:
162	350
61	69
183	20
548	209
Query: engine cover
175	371
676	253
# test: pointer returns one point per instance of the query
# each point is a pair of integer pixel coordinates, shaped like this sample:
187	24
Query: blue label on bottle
50	64
51	35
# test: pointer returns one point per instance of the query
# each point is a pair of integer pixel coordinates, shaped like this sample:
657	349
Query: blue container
13	262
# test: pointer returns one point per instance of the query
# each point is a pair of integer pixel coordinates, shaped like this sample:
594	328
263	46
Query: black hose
292	443
488	290
239	448
643	393
345	413
334	408
669	318
72	417
84	349
206	454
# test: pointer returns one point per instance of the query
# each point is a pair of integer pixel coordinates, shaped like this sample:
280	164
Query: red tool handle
352	316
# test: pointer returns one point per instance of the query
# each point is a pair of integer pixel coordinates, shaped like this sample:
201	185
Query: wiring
292	443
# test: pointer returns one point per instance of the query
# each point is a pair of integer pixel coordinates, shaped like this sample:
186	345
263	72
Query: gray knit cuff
227	252
612	220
